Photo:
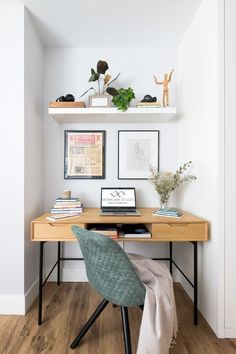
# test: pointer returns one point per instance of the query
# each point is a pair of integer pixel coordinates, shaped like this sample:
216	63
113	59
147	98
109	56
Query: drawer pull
56	225
178	225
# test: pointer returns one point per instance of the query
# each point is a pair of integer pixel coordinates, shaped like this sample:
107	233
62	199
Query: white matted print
137	150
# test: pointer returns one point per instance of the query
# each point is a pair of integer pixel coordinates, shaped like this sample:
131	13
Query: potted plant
121	97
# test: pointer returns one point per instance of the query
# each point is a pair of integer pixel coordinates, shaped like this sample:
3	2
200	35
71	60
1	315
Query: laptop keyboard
122	212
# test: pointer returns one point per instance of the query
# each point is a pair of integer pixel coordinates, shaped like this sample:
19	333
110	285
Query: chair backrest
108	269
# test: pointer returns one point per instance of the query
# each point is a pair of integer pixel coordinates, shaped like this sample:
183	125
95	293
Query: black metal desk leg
58	262
195	304
170	254
40	298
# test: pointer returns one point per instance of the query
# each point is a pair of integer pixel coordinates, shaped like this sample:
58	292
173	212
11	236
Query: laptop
118	201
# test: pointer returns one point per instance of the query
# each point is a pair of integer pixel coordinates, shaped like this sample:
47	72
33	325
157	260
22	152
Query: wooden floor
68	306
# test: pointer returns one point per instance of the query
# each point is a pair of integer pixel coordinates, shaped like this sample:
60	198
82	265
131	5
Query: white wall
34	151
67	70
22	160
230	168
12	159
198	131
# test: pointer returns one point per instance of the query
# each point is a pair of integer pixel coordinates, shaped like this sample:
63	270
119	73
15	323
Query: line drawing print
137	150
138	155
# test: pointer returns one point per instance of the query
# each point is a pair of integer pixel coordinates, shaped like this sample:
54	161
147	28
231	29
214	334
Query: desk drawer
53	232
180	231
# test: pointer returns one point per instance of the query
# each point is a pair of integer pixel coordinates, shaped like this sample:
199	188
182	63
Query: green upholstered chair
112	275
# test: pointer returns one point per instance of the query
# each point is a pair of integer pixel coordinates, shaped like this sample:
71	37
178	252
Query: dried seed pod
102	67
112	91
107	78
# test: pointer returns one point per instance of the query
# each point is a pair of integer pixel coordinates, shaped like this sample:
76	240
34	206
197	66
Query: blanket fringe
173	343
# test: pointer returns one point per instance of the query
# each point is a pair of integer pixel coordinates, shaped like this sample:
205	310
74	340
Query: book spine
66	206
60	211
112	233
137	235
61	200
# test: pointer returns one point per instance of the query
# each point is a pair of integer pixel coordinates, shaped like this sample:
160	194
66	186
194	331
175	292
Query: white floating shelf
111	115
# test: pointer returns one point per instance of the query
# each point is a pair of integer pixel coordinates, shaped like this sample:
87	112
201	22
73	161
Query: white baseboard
31	294
12	305
70	274
179	278
230	332
18	304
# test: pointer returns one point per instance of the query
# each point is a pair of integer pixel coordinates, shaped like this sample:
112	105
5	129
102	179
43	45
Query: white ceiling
92	23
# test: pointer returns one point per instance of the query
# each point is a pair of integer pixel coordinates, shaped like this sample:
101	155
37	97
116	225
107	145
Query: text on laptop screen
117	197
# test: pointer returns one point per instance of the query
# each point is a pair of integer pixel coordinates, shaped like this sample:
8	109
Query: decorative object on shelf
103	80
165	182
137	150
68	98
165	82
149	98
149	102
99	101
84	154
76	104
66	194
149	105
67	101
121	97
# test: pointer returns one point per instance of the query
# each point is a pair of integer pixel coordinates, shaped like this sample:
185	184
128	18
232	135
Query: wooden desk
188	228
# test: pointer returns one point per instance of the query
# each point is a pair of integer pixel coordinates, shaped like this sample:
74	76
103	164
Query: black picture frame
84	154
137	150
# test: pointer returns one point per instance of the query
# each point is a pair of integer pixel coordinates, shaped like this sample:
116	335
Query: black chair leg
126	331
89	323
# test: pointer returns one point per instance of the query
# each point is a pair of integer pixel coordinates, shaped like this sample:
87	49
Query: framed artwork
137	150
84	154
99	101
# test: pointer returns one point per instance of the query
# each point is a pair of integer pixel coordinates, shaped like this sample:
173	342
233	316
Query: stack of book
134	231
71	205
149	105
105	229
169	212
66	208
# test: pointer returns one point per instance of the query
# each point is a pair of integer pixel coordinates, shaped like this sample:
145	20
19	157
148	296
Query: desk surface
91	215
186	228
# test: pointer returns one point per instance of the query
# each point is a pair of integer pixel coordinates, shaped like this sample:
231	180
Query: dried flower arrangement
165	182
103	79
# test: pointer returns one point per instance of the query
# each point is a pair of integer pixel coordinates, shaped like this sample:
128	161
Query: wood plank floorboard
67	307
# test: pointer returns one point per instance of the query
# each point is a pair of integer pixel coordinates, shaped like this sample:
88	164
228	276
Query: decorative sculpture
165	82
149	98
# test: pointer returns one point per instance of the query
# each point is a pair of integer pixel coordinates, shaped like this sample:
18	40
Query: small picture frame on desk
97	101
84	154
137	151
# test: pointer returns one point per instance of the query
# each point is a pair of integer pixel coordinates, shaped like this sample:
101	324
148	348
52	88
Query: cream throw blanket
159	322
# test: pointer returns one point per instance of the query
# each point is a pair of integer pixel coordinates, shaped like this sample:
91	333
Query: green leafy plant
165	182
121	97
103	79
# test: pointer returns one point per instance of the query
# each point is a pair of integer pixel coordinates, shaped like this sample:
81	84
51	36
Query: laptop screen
118	198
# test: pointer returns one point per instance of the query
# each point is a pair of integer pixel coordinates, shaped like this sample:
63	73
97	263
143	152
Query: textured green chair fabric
109	270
